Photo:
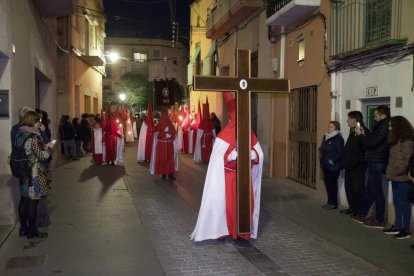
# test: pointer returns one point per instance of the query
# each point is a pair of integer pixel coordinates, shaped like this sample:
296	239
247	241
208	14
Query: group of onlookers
369	158
75	135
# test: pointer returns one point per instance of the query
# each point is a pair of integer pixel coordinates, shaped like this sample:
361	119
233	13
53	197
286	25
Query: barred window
378	21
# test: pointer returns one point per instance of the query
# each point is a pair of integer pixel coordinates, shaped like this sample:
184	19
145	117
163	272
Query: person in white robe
213	221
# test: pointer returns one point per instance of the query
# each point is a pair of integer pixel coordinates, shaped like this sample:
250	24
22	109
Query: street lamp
122	97
113	56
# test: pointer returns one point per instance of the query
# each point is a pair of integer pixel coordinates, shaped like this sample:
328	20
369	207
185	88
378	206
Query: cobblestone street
123	221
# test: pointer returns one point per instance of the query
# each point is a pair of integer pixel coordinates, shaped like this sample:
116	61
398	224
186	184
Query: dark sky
146	18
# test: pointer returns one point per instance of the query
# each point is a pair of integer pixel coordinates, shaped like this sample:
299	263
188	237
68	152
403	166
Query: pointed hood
149	120
206	123
228	133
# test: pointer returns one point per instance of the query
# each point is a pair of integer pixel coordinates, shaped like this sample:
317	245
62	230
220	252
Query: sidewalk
120	220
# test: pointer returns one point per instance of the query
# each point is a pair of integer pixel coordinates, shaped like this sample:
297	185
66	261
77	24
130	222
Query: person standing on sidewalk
377	147
401	140
331	162
355	167
32	187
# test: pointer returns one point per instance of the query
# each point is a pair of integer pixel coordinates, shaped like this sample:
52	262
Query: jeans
355	189
375	172
70	148
401	205
331	185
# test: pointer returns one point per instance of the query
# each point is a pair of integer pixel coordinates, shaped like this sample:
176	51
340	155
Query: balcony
286	12
55	8
226	15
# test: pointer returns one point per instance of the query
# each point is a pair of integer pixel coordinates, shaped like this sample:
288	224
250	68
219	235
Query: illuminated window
301	48
140	57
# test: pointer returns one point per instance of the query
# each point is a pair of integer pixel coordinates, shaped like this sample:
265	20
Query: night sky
146	18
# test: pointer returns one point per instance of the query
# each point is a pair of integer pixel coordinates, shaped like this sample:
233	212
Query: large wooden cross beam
243	85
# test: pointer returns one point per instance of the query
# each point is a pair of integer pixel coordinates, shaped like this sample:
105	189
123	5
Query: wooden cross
243	85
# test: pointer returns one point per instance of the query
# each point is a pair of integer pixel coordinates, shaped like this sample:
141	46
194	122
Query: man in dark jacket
355	167
377	153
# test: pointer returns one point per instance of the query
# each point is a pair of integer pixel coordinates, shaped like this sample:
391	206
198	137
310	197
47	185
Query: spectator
67	132
32	188
76	125
85	133
15	129
355	167
377	153
331	161
401	140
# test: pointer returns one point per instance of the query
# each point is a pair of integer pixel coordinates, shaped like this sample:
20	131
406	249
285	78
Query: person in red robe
186	129
195	124
208	134
149	121
218	211
164	154
110	134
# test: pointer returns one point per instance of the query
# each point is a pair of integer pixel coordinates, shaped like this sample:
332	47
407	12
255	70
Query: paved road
119	220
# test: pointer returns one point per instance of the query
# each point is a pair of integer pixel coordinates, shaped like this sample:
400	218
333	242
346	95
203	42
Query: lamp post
122	96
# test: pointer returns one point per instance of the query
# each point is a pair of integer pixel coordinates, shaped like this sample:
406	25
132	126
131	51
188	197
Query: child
96	143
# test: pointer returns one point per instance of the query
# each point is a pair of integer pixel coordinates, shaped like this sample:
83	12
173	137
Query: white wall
393	80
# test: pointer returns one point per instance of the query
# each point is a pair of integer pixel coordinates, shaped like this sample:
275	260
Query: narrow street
120	220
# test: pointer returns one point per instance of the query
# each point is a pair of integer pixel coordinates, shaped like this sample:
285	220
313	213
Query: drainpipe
282	53
333	95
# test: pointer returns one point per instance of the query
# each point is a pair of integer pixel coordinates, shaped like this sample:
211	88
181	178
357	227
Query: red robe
230	173
111	133
186	129
208	137
164	155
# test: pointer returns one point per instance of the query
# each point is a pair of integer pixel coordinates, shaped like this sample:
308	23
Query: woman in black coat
331	161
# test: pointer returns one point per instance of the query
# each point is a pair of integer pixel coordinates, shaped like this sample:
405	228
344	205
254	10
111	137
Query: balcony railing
286	12
225	15
359	25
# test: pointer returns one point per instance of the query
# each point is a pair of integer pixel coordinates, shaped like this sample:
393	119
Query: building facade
300	35
81	62
152	58
203	58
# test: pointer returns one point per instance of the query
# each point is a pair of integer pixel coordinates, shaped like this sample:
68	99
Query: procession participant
96	144
164	162
205	137
217	215
146	136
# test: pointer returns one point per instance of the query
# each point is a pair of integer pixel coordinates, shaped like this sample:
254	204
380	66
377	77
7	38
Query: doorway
368	108
302	135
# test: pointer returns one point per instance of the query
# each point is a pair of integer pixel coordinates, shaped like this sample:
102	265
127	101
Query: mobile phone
358	125
54	141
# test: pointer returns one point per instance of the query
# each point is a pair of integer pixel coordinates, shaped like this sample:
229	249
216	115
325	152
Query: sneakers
346	211
374	224
329	207
359	219
391	230
402	235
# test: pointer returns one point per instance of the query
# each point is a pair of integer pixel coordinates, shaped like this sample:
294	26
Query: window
140	57
378	21
156	53
301	48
